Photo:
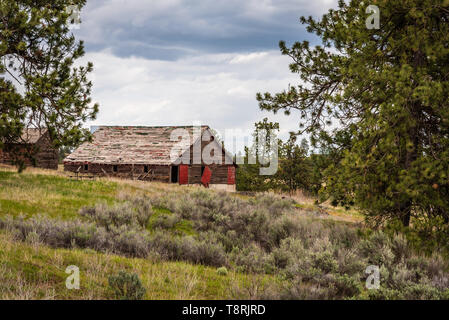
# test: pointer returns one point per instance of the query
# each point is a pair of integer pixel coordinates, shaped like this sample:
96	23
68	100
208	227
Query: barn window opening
174	174
115	168
86	167
145	169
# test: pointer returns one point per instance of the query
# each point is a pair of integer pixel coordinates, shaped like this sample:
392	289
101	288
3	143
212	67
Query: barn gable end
148	153
34	148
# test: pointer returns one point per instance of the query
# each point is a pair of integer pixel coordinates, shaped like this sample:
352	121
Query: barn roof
32	135
29	136
132	145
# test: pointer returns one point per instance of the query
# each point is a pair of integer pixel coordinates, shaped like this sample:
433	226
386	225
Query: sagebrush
318	258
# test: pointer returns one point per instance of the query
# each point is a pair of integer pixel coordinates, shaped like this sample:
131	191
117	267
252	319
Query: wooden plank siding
140	153
40	153
125	171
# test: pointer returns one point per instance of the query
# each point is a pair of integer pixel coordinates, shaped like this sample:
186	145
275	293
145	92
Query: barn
33	148
183	155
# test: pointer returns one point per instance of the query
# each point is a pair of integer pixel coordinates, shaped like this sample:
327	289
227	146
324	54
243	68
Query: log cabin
34	148
176	154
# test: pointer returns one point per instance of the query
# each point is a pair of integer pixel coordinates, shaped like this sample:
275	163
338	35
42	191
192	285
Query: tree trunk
413	133
405	215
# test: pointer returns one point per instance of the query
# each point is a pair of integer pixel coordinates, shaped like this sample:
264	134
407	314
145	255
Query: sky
179	62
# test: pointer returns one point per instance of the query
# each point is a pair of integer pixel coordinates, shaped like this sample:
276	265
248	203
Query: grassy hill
192	243
31	271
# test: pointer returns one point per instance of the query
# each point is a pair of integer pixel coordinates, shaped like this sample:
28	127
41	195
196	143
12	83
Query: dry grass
307	204
30	270
33	271
31	197
41	191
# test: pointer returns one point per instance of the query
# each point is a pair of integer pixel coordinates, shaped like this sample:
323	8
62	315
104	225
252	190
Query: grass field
29	271
193	243
34	271
51	195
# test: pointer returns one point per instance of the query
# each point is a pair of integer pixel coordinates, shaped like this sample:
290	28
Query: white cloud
174	62
244	58
210	88
227	25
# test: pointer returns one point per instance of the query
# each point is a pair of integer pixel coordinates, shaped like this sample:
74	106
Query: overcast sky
173	62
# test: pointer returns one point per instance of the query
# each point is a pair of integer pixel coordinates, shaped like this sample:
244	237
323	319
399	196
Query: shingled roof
32	135
29	136
132	145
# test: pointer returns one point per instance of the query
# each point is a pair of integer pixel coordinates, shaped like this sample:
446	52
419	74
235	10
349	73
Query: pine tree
294	166
385	92
39	85
248	174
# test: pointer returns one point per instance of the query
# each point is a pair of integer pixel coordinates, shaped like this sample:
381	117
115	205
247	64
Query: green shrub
166	221
127	286
347	286
204	251
133	213
318	258
251	258
222	271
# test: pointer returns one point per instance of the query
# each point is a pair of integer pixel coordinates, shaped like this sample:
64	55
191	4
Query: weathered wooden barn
165	154
34	148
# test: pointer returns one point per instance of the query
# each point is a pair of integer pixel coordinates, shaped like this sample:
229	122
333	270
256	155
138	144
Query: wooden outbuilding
33	148
176	154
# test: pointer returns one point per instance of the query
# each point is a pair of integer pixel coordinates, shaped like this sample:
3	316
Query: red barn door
231	175
183	174
205	178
